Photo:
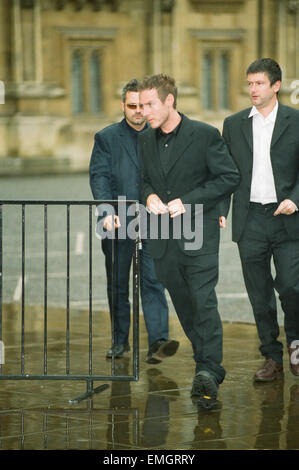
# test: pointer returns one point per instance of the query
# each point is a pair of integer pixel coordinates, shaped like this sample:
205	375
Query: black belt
263	207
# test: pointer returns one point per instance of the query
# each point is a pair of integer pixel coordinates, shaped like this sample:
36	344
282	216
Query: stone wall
63	64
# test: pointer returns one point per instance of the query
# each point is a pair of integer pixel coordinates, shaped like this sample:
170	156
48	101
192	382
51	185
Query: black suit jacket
237	132
115	169
201	172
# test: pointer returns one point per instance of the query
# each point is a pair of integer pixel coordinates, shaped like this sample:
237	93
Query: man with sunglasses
115	171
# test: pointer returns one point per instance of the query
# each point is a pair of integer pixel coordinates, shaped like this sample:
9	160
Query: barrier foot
89	392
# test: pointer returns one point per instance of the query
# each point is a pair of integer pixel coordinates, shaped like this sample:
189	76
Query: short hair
163	83
132	85
268	66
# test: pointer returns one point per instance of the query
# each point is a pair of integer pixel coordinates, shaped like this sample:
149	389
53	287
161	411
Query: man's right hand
111	222
222	221
155	205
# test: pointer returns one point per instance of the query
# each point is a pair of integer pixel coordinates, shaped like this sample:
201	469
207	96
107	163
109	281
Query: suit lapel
182	141
247	129
151	142
281	124
128	144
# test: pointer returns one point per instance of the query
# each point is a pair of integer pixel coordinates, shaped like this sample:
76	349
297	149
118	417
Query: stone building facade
63	64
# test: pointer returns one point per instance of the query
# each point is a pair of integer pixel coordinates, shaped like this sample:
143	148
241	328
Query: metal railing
67	374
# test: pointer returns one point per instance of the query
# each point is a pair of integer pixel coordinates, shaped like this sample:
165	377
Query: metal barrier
89	377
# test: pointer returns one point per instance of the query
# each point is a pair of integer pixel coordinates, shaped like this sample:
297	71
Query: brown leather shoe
270	370
293	350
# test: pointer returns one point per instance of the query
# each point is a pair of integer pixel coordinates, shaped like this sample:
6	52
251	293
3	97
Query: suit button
168	192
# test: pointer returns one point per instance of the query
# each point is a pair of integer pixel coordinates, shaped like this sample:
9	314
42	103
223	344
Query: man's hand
286	207
155	205
176	207
222	221
111	222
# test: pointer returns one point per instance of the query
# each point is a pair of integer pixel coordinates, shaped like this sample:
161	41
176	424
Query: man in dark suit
264	142
115	170
186	164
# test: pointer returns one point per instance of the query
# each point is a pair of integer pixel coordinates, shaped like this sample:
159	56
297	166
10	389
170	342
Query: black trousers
191	281
265	239
154	303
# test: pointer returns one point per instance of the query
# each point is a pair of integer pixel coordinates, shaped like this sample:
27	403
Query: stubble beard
136	122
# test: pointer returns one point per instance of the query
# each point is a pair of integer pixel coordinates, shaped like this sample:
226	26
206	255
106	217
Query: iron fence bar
114	301
68	289
90	390
23	294
22	431
64	202
79	377
90	433
45	288
136	259
74	411
90	289
67	431
45	430
1	277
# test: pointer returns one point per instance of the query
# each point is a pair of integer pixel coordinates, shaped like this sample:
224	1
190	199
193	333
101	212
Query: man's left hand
222	221
176	207
286	207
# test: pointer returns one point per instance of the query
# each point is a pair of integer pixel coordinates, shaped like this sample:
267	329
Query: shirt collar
174	131
271	117
134	131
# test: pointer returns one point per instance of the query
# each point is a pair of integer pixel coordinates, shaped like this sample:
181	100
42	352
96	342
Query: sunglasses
132	106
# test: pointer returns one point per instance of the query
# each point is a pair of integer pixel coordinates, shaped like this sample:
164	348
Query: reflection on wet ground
155	412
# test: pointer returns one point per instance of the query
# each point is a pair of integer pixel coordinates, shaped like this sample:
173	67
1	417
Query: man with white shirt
264	142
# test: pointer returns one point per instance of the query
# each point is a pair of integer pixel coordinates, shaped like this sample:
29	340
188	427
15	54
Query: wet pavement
155	412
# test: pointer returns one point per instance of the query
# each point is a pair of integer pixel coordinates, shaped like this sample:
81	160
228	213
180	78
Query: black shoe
205	388
117	350
160	350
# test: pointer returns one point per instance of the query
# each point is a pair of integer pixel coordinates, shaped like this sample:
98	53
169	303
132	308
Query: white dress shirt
262	183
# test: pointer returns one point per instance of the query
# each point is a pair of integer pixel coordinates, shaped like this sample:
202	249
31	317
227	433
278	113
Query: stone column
157	37
297	39
17	43
27	41
162	36
293	31
281	32
38	42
